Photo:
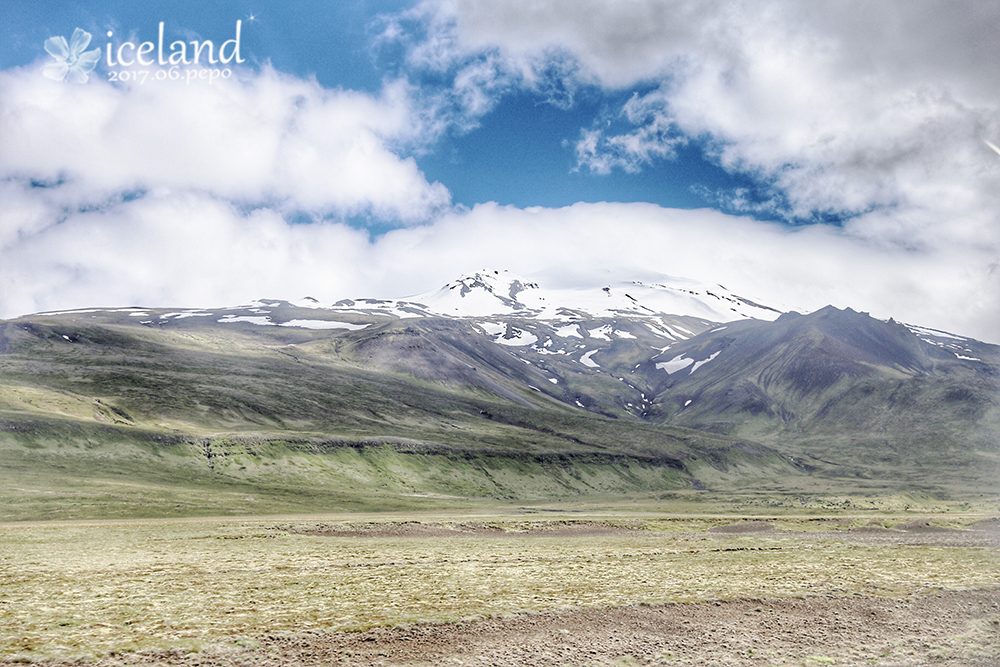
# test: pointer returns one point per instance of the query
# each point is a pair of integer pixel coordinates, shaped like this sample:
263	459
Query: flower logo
72	62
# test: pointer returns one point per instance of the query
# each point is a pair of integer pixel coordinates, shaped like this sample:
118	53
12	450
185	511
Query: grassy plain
86	589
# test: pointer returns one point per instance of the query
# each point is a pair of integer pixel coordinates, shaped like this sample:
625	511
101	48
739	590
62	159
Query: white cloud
655	137
463	80
845	106
193	250
181	250
804	267
172	193
257	138
617	43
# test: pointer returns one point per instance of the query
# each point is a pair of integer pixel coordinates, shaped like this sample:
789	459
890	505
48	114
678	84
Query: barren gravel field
621	591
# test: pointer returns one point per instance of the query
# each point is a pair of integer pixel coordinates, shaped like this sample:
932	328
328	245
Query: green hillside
100	415
147	412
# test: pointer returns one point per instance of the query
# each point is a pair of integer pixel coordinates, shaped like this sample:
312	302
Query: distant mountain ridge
695	382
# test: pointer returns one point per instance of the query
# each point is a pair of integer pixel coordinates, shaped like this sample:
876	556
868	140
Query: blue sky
520	153
804	154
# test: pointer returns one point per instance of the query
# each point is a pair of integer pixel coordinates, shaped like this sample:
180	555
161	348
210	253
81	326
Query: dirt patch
921	535
923	527
990	525
401	529
984	535
946	628
743	527
416	529
872	530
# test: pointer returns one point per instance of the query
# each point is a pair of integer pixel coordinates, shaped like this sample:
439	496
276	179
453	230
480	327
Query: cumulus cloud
656	136
461	80
257	138
185	193
845	107
194	250
457	84
176	193
796	267
188	249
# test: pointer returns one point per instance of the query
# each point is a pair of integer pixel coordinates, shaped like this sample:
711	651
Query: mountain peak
503	286
485	292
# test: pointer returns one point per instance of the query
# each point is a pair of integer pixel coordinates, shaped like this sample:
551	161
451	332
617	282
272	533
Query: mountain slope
312	419
518	394
838	385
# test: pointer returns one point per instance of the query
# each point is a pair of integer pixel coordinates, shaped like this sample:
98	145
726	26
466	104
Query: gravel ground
945	628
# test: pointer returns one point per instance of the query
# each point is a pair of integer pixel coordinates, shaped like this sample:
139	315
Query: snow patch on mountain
517	337
265	320
699	364
322	324
957	345
924	331
73	312
601	333
493	328
186	313
262	320
676	364
485	293
570	330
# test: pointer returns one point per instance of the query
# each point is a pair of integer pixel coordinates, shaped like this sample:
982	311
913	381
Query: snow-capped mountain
495	350
495	293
